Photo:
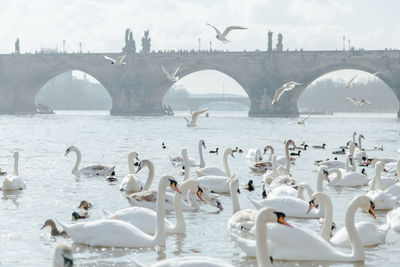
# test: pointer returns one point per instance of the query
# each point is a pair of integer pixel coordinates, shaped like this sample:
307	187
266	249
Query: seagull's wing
108	58
364	101
216	30
352	99
377	73
121	58
230	28
196	115
278	94
348	84
186	119
177	69
166	72
305	119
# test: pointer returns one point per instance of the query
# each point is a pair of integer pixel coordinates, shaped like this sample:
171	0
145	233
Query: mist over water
52	191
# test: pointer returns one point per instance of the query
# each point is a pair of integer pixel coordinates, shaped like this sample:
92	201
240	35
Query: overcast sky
178	24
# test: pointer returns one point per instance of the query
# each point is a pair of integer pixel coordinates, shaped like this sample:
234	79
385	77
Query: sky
178	24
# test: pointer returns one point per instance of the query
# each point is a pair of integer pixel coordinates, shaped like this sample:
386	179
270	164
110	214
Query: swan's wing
216	30
165	71
230	28
348	84
305	118
196	115
108	58
177	69
149	196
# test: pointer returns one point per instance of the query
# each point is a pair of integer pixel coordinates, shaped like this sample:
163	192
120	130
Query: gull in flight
359	103
195	116
364	101
119	61
286	87
172	77
222	36
348	85
303	122
377	73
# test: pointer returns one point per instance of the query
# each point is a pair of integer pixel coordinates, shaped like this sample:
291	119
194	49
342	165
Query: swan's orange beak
327	176
281	218
371	209
200	193
311	204
174	186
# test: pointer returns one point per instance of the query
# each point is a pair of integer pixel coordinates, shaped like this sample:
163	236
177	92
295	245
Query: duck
349	179
214	151
85	205
132	184
145	219
62	256
300	244
116	233
163	146
249	186
54	230
341	152
93	170
215	170
80	214
13	182
319	147
295	154
177	161
264	216
3	173
238	150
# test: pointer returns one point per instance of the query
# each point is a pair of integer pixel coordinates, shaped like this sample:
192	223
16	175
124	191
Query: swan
241	219
145	219
215	170
287	160
263	217
295	243
262	166
393	168
13	182
369	233
90	170
348	179
132	184
62	256
254	155
393	219
349	165
332	164
54	230
361	153
271	173
116	233
178	160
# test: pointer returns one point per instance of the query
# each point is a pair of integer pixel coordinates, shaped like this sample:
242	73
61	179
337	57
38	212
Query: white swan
287	160
116	233
294	243
145	219
89	170
369	233
271	174
393	219
332	164
177	161
263	260
361	152
13	182
215	170
348	179
62	256
132	184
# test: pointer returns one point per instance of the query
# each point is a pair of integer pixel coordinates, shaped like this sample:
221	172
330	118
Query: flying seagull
364	101
348	85
172	77
119	61
352	99
222	36
303	122
286	87
195	116
359	103
377	73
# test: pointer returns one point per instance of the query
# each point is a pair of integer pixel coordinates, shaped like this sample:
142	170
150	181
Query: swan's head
361	136
174	185
199	193
85	205
365	204
290	142
270	215
16	155
316	199
230	151
268	148
379	166
70	149
141	165
203	143
49	222
63	256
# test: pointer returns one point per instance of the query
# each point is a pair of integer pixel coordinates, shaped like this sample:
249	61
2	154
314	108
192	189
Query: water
52	192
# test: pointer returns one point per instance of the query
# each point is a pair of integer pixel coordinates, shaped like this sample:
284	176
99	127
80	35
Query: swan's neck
272	153
274	167
131	163
287	156
354	137
261	244
398	168
300	192
16	157
357	248
234	196
159	236
187	166
338	176
320	180
192	202
180	226
376	181
226	167
347	165
78	161
202	163
359	142
326	203
150	176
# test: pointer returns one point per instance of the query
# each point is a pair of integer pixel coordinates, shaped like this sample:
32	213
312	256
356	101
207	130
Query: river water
52	191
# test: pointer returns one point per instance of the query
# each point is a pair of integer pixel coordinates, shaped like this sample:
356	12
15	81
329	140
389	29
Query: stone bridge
138	87
194	103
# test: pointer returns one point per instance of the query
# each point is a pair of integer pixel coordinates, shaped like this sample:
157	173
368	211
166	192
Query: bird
364	101
118	61
352	99
214	151
360	102
163	145
195	116
319	147
54	230
286	87
348	85
295	154
172	77
377	73
62	256
303	122
222	36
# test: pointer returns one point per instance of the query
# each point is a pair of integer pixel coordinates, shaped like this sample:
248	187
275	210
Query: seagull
359	103
222	37
195	116
119	61
286	87
172	77
302	122
364	101
377	73
348	85
352	99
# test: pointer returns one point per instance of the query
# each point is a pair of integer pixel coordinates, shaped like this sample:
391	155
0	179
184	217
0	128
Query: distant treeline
329	95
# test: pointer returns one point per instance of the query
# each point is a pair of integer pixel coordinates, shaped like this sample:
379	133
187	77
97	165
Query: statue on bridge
17	46
270	41
279	45
130	45
146	42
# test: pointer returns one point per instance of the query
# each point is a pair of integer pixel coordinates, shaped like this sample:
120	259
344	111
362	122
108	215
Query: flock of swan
265	231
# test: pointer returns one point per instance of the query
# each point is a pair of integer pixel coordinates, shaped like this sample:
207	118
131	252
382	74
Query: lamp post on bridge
344	43
199	44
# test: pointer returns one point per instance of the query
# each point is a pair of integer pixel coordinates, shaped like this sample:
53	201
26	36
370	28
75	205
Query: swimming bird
320	147
222	36
286	87
214	151
341	152
195	116
249	186
54	230
172	77
302	122
62	256
295	154
118	61
13	182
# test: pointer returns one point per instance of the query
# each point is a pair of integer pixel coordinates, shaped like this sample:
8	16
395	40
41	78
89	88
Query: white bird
364	101
360	102
377	73
132	184
286	87
195	116
62	256
118	61
352	99
13	182
303	122
215	170
222	37
348	85
393	219
172	77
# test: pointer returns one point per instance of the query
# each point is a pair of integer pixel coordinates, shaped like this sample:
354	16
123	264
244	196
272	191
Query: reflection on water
52	192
